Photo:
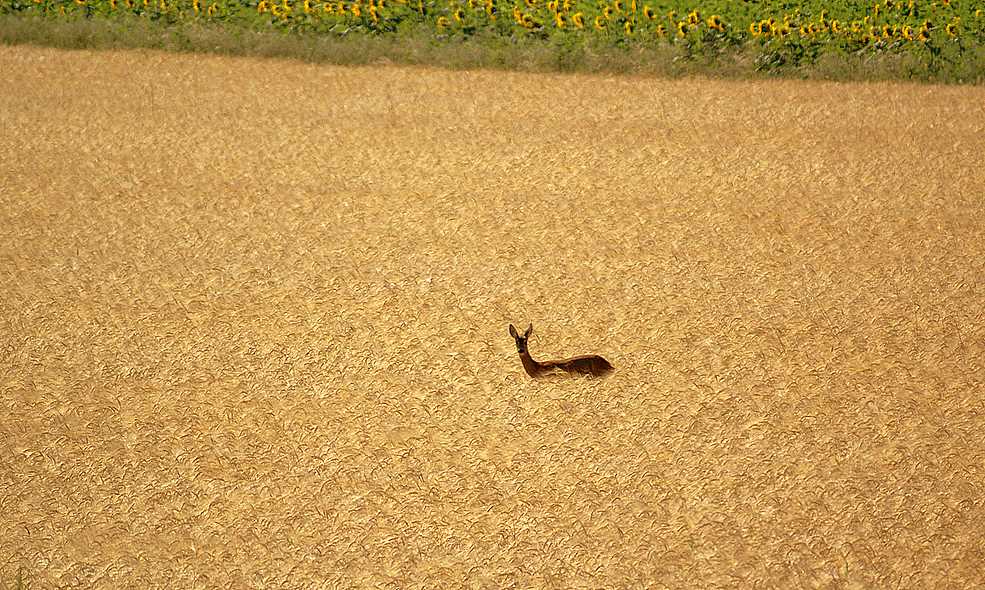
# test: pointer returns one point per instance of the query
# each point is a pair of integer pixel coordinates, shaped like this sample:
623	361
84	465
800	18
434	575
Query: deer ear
513	332
529	331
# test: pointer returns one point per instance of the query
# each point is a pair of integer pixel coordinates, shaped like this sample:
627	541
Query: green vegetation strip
846	39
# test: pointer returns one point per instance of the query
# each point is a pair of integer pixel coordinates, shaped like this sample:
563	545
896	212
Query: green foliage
929	36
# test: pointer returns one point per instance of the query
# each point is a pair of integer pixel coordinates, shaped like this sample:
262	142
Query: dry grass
254	328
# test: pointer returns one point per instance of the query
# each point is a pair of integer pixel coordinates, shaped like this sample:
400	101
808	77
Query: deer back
591	364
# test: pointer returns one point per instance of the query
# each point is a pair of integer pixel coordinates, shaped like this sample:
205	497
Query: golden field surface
254	328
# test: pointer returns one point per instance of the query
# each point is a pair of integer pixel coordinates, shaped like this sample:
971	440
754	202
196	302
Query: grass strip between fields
419	46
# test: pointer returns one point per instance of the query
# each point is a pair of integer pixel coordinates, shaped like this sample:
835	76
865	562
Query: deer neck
532	367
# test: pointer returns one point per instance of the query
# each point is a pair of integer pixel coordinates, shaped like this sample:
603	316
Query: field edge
418	47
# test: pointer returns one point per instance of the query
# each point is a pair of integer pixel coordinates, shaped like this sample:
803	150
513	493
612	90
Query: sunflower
262	7
617	5
458	15
559	20
648	12
923	36
907	33
694	18
952	29
682	28
661	31
607	12
443	22
628	26
715	22
578	19
599	23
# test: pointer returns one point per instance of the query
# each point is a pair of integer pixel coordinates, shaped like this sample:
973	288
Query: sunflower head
578	19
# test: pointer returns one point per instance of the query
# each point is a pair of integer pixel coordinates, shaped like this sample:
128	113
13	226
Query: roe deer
590	364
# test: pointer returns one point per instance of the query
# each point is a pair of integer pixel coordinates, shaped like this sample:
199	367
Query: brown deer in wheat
590	364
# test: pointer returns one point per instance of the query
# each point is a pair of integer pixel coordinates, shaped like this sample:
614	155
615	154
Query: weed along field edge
942	42
255	328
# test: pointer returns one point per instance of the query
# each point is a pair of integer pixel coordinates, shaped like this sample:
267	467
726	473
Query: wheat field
254	328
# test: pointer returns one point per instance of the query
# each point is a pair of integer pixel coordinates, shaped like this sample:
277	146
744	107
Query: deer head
521	341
